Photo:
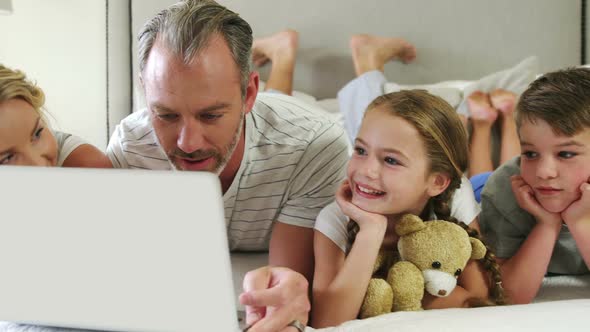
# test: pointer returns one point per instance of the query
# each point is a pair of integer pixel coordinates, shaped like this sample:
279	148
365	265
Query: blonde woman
25	137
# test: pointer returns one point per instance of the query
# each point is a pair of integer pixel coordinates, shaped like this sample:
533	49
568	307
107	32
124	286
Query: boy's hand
363	218
579	211
525	196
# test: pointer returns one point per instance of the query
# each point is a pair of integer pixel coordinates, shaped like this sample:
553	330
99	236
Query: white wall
62	45
141	11
456	39
119	62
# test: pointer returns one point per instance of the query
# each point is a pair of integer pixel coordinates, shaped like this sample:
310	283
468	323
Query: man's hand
525	197
274	297
579	211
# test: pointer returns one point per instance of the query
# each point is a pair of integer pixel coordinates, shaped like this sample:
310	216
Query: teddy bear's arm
378	299
407	284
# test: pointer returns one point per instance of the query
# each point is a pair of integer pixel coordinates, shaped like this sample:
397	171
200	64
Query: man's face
197	110
554	166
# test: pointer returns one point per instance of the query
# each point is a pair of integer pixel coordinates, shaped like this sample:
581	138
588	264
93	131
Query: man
279	161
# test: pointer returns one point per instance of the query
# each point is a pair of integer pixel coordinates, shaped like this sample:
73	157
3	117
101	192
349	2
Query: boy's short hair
560	98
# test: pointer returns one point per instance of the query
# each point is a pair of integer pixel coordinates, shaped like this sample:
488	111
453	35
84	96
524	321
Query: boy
536	207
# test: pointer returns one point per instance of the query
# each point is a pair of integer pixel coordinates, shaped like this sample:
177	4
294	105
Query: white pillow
297	94
450	91
330	105
515	79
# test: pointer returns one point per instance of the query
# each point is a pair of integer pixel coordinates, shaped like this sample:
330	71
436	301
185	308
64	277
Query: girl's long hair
446	143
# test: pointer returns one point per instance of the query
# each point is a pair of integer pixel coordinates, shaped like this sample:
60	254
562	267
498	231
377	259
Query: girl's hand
579	211
365	220
525	197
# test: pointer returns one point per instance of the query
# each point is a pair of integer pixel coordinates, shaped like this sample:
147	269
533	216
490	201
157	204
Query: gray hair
187	26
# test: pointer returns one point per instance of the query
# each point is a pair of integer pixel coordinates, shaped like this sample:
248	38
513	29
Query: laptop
114	250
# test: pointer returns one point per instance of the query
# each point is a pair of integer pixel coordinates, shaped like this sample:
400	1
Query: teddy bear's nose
442	292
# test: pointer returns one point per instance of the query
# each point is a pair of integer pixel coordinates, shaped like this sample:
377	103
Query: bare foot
372	53
279	47
480	109
504	101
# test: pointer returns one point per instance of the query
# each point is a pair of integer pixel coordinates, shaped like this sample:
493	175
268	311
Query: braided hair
497	294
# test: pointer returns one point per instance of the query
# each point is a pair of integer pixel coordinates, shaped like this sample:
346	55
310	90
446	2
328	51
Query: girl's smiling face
389	168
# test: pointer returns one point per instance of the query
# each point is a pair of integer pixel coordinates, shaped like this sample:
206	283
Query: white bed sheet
562	302
546	316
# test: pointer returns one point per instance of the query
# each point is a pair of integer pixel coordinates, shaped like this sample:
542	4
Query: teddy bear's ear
409	224
478	249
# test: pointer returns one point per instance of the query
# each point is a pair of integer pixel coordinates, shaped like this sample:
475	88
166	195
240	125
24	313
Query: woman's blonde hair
15	85
446	143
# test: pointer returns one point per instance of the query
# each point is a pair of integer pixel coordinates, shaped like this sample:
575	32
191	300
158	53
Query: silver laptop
115	250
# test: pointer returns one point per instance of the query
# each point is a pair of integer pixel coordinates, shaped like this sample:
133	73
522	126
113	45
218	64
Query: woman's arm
87	155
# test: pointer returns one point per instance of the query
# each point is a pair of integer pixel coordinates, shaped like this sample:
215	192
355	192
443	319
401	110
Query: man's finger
254	280
253	314
275	322
257	279
263	298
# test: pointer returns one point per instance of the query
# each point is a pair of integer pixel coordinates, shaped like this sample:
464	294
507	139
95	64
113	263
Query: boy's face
554	165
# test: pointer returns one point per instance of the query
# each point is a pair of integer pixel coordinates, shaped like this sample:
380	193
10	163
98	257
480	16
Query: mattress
562	301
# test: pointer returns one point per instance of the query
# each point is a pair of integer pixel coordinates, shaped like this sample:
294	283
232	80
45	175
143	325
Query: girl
409	157
25	138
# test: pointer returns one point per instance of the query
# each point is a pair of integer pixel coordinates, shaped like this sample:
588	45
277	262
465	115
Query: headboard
456	39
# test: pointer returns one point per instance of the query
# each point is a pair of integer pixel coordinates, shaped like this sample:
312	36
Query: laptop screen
114	250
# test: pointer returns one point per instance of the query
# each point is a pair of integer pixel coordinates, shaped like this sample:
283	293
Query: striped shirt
294	160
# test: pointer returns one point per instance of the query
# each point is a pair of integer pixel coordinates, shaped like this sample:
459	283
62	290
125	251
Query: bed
562	301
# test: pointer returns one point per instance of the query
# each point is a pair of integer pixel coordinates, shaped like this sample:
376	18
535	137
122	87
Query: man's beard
220	160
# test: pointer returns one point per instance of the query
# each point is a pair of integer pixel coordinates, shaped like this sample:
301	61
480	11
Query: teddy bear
431	256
